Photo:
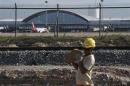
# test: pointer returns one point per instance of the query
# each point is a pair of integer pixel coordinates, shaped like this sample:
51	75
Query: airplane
6	29
39	30
1	28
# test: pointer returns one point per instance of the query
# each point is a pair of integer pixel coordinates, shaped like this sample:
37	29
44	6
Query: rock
12	45
39	44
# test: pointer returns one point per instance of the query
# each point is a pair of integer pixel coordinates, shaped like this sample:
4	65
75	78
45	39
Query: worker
85	65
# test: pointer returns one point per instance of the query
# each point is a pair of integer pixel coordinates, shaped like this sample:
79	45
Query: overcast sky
63	1
121	13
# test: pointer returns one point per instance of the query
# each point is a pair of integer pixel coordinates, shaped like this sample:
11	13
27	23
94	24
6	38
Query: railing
61	48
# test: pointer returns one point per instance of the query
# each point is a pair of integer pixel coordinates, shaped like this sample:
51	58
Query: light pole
100	17
57	21
15	19
46	13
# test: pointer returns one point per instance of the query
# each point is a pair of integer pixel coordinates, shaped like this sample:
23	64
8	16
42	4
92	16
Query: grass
116	40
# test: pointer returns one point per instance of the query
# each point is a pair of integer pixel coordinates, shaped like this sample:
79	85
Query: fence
65	18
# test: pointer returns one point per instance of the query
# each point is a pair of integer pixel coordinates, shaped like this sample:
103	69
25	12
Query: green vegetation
26	41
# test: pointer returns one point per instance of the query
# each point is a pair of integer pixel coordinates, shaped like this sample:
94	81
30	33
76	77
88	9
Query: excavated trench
47	68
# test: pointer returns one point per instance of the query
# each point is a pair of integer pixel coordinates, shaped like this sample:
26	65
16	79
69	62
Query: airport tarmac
75	34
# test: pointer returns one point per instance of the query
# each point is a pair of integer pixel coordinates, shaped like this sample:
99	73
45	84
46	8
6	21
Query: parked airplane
40	30
6	29
1	28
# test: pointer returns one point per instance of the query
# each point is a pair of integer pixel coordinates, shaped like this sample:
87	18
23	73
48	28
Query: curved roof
69	17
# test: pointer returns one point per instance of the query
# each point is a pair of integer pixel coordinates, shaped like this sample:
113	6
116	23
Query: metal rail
105	7
59	48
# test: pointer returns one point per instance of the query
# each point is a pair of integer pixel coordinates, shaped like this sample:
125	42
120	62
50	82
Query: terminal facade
65	21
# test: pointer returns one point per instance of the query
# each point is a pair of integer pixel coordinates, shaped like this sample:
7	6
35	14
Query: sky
71	2
22	14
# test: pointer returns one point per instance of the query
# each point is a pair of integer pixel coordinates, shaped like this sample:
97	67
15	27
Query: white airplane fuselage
41	30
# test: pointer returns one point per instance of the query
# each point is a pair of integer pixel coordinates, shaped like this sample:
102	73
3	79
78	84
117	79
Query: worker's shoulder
89	57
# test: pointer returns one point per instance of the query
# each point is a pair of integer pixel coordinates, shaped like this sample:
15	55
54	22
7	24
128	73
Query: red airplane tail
34	30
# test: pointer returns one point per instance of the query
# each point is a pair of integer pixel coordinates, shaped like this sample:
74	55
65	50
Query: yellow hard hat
89	43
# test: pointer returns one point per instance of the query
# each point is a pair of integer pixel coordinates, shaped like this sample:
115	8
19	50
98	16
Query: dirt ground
51	75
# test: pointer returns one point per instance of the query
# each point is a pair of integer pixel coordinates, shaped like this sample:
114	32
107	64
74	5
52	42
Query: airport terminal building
66	20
